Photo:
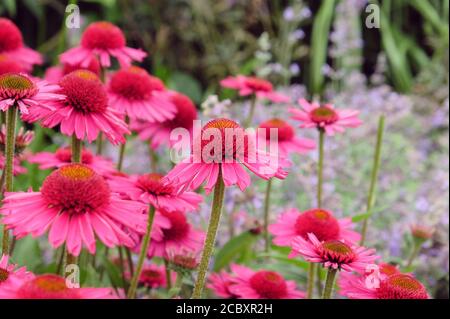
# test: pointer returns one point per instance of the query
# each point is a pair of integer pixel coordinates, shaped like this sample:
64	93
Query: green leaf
27	253
360	217
10	6
319	45
234	249
186	84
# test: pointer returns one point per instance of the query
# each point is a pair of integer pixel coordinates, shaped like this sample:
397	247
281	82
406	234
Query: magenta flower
102	40
50	286
158	133
333	254
63	156
319	222
74	205
262	284
153	189
250	85
140	96
11	45
325	117
84	112
25	92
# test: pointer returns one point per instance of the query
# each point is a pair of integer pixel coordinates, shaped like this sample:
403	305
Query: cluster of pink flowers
87	202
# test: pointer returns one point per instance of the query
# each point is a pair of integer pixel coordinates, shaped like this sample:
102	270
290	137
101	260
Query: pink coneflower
7	271
319	222
394	286
179	235
183	259
421	233
84	112
9	65
23	139
21	90
158	133
204	166
287	141
250	85
55	73
325	117
74	204
153	189
102	39
50	286
262	284
333	254
63	156
220	284
11	45
140	96
154	276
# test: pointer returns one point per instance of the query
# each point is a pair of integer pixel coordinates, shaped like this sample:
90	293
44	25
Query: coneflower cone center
75	189
269	284
84	92
324	114
224	139
152	184
319	222
65	155
17	86
285	131
179	227
337	252
10	36
257	84
186	112
135	84
4	275
103	35
47	287
401	286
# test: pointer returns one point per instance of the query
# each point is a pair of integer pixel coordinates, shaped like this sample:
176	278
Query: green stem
122	269
413	255
319	281
216	211
130	261
168	275
153	158
145	244
267	216
310	283
320	168
374	178
76	149
329	283
179	281
251	112
11	119
122	150
60	263
100	143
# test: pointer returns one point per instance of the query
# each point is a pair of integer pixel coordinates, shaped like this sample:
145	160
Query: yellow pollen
321	214
154	176
76	172
337	247
221	123
270	276
15	81
277	122
51	284
405	282
86	75
105	25
136	69
4	274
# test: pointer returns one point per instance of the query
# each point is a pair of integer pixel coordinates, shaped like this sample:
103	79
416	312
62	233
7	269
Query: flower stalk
11	119
374	178
267	216
145	244
329	283
251	112
216	210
